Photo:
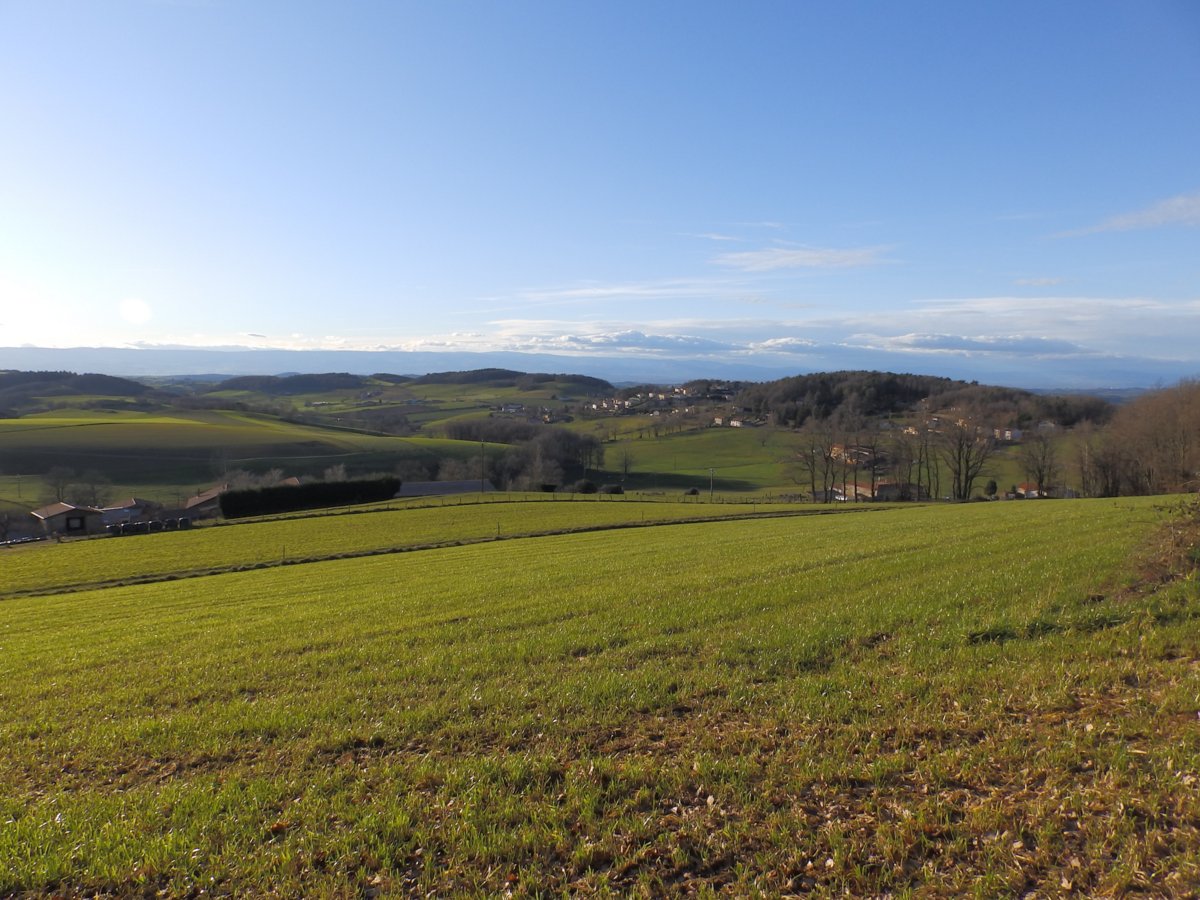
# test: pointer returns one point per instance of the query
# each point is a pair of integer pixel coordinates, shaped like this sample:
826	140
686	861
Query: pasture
176	452
975	700
743	459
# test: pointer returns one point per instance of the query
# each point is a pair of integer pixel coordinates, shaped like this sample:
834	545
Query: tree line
1150	445
536	455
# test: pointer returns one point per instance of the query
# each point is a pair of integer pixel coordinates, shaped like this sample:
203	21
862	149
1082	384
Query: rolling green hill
164	444
187	448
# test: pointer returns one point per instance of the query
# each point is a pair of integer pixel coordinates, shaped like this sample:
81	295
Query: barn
69	519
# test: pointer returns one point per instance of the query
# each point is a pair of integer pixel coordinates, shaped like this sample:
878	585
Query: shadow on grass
663	481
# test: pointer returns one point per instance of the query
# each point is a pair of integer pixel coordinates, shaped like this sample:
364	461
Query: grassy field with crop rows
47	566
987	700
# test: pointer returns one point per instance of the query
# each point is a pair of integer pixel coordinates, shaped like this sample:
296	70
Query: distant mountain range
219	363
225	363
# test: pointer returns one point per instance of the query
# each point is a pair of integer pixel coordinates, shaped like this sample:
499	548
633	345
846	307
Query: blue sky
1010	189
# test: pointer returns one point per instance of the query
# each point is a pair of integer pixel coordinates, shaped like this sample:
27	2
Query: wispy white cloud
714	236
773	225
639	340
1016	327
603	295
669	288
784	345
1019	345
772	258
544	336
1045	340
1068	311
1123	325
1181	210
1038	282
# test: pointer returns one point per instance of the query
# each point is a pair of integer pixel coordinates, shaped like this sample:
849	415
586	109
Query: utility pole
710	483
481	468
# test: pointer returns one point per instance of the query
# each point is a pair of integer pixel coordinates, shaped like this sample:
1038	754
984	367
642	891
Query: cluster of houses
533	414
884	491
131	516
675	399
138	516
737	422
891	492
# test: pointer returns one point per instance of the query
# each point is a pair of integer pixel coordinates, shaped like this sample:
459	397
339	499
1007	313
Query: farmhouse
205	503
129	510
68	519
856	454
1027	490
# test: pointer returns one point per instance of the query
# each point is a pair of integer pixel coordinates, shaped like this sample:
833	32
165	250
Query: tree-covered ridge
511	378
291	385
285	385
25	392
791	402
22	385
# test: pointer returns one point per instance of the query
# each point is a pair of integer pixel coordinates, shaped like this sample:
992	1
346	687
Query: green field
743	459
986	699
165	454
45	566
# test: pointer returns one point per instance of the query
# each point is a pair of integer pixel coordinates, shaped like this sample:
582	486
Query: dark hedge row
269	500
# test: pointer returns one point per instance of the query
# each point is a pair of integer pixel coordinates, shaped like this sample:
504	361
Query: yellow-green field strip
103	562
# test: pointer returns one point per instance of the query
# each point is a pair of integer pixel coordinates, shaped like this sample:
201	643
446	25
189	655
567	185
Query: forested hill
287	385
512	378
822	395
291	385
21	388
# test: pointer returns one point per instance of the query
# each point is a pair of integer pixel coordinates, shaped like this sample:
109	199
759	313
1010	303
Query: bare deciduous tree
626	460
90	489
58	482
1039	461
1159	433
965	448
816	460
